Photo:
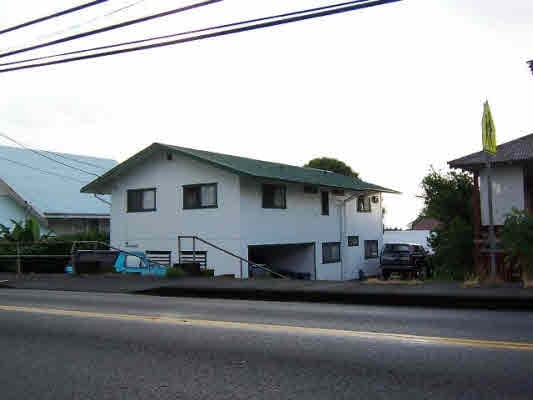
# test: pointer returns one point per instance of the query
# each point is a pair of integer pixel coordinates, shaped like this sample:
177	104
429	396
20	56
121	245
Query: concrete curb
388	299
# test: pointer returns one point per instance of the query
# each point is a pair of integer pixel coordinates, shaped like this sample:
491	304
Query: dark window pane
134	200
353	241
191	197
363	204
371	249
331	252
268	196
325	203
274	196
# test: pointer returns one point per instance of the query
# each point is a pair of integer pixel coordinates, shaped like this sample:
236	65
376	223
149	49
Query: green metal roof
243	166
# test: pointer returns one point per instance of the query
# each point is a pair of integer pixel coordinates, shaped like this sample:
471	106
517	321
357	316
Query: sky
391	90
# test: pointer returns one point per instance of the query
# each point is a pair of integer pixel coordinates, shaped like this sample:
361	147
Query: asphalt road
66	345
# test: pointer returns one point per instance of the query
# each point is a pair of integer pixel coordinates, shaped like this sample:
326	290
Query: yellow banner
489	130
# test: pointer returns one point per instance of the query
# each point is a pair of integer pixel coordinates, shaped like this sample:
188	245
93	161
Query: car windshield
396	247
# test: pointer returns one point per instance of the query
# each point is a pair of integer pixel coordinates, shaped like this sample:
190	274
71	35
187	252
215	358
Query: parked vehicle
407	259
131	262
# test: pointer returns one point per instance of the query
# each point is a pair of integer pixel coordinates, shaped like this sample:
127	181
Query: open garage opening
296	261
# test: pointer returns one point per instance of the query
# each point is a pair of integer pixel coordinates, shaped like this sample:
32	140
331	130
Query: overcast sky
390	90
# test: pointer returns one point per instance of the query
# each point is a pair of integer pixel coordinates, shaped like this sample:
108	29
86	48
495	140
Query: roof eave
23	203
475	167
93	187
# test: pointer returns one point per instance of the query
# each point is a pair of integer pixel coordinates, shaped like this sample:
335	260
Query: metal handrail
242	259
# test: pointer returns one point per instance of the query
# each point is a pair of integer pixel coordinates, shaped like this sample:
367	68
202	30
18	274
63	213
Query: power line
41	170
75	160
190	32
45	156
324	11
54	15
86	22
110	27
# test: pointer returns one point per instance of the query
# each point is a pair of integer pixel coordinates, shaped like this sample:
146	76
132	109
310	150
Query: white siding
4	190
159	230
300	222
507	192
10	210
239	221
368	226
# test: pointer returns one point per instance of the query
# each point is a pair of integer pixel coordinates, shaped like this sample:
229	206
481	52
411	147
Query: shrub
447	198
517	238
453	258
175	273
207	272
85	236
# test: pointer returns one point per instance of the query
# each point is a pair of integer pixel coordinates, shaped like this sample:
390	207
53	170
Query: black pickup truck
404	258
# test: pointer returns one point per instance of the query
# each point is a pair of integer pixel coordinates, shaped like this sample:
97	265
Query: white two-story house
301	222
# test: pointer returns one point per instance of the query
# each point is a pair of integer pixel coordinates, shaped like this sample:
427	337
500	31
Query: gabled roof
516	151
242	166
51	188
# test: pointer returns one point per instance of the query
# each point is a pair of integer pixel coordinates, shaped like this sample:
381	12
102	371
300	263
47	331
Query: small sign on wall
353	241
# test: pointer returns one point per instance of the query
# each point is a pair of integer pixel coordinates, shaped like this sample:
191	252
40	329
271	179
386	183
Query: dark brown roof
516	151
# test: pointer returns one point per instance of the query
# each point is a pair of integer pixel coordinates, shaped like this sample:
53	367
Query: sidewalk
430	294
90	283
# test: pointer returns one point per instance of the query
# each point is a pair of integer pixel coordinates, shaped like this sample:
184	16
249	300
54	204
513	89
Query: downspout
342	218
102	200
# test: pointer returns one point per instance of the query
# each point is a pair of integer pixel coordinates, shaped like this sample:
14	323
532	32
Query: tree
517	239
448	198
29	231
333	165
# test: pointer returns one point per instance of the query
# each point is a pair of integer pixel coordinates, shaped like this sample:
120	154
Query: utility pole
492	235
489	147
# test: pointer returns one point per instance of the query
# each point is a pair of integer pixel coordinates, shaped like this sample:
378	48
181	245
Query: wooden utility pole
492	235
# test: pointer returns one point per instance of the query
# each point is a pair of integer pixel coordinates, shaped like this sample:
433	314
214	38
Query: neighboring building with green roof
302	222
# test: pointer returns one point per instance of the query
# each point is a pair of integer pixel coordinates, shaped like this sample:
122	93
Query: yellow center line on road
490	344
